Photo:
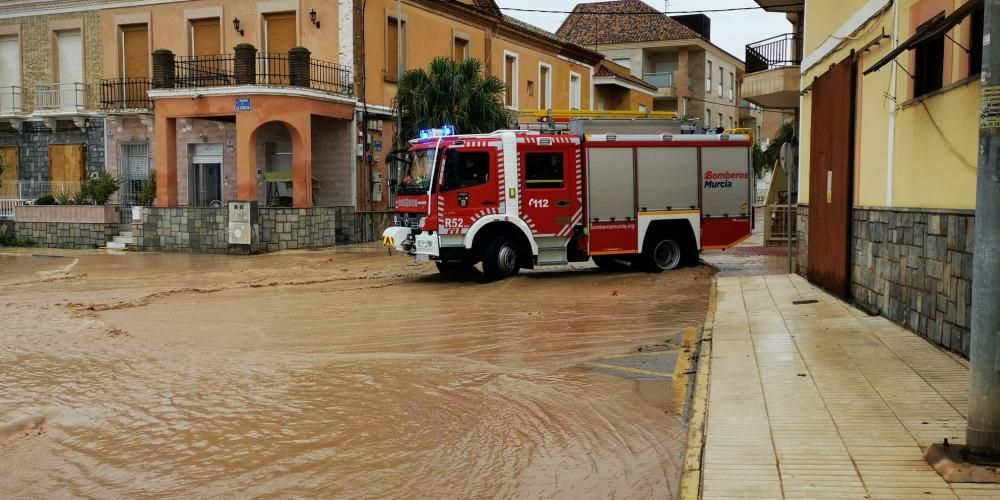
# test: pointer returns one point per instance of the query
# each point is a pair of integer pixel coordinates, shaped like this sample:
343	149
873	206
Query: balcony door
134	65
206	46
68	94
279	37
10	74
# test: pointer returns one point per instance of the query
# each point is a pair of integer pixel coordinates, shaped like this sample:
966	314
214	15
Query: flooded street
337	373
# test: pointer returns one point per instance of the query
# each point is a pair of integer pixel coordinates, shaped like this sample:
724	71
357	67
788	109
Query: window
465	169
720	119
10	73
732	86
206	35
643	108
545	82
461	49
708	78
929	74
730	122
543	171
623	61
531	88
976	42
722	74
393	57
510	78
574	91
708	118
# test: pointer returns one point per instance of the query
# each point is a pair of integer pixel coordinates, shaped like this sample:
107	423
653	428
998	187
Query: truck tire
611	264
664	252
500	259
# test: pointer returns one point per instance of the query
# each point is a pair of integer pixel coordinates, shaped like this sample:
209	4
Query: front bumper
420	244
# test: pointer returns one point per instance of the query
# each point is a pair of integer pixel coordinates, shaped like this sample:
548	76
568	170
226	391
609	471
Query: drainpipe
983	432
891	148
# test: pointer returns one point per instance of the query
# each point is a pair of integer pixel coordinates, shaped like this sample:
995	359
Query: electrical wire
651	13
736	106
947	143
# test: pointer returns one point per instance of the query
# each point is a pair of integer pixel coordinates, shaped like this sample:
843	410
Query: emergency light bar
437	132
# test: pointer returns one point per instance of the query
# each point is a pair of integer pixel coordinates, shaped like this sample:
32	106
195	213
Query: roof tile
615	22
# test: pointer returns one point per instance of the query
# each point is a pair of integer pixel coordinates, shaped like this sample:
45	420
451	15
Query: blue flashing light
448	130
425	134
437	132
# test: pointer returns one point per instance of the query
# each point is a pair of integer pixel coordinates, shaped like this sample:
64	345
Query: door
133	166
69	71
9	185
468	188
134	65
67	168
830	179
549	200
279	37
10	74
206	175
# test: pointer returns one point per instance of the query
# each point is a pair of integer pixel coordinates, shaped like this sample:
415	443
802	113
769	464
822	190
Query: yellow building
888	151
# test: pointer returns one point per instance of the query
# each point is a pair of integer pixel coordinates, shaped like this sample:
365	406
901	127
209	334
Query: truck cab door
467	190
551	203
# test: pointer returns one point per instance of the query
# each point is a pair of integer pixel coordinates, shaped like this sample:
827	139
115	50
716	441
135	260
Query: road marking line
628	369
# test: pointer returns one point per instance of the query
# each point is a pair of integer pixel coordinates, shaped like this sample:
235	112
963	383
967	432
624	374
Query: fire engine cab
520	199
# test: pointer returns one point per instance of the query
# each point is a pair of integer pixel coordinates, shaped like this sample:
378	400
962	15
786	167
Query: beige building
693	77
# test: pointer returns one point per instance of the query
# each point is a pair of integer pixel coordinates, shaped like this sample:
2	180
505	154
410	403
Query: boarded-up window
66	167
510	78
393	57
461	49
206	37
8	172
280	32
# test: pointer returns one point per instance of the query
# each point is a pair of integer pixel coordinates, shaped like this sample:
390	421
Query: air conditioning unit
242	218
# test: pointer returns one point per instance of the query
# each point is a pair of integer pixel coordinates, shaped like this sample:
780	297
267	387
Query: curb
690	486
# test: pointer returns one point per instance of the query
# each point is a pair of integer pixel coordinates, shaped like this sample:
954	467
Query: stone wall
66	234
204	230
34	139
915	268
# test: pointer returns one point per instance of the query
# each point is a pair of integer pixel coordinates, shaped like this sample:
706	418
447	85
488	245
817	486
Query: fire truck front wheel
500	259
664	252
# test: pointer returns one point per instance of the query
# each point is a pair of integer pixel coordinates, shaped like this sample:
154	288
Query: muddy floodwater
338	373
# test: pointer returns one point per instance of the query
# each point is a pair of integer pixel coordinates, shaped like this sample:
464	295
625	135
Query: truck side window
465	169
543	170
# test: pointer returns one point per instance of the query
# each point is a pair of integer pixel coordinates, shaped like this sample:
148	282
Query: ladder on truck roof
665	137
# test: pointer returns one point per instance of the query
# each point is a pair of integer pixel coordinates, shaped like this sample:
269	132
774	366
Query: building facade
693	77
887	185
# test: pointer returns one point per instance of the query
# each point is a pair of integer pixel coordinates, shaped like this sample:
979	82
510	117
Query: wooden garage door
67	169
830	178
9	175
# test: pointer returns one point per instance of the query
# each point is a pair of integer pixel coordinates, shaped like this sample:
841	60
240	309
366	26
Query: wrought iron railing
661	80
293	69
775	52
11	100
330	77
205	71
60	96
126	94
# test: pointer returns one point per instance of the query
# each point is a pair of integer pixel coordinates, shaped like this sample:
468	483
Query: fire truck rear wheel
500	259
665	252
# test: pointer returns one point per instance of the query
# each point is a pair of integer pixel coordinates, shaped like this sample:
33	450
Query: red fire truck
520	199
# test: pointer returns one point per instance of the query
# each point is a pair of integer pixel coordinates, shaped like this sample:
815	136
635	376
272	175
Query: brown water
337	374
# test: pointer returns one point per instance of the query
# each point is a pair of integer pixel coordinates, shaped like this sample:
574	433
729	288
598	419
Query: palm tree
450	93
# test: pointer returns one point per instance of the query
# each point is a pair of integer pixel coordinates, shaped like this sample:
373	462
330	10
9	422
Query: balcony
126	95
69	98
294	70
661	80
11	101
772	72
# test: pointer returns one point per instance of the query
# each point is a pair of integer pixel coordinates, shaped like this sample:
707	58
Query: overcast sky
730	30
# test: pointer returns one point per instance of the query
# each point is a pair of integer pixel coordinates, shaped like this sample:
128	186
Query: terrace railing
775	52
126	94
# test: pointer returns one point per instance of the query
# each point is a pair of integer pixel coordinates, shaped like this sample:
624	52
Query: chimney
700	23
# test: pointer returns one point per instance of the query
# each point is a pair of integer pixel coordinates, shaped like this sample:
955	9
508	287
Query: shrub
46	200
64	198
98	190
147	196
10	240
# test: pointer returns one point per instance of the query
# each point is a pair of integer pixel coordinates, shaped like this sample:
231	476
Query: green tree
763	160
450	93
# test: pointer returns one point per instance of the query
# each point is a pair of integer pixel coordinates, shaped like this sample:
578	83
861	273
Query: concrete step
115	245
123	239
125	234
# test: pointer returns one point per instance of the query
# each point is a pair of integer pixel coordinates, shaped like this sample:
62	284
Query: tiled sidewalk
822	401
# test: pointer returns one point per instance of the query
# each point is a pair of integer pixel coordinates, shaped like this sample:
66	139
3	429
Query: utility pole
983	432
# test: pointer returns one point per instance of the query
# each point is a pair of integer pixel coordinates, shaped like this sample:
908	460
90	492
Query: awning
930	30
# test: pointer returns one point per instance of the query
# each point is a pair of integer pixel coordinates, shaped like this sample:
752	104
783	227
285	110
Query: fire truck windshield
417	172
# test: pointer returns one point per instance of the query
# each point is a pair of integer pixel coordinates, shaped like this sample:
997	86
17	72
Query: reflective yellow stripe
672	212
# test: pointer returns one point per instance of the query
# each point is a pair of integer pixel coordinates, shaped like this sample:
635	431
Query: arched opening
275	164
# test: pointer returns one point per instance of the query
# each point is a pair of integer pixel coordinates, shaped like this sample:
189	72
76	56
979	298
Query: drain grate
804	302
